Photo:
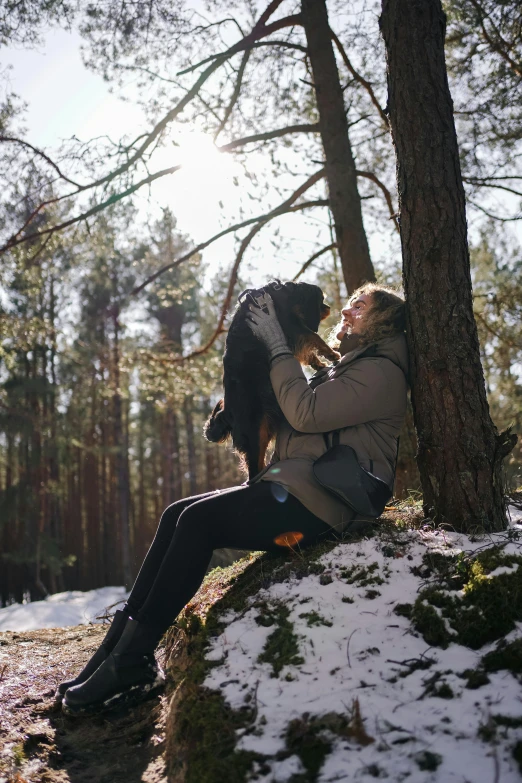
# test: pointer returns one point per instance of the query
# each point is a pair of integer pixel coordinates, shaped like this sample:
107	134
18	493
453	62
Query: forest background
109	365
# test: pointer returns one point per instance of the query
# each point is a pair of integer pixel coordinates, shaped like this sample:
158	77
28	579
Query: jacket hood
392	348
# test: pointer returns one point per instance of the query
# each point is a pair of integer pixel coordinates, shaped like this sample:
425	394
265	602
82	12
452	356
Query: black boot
107	646
129	674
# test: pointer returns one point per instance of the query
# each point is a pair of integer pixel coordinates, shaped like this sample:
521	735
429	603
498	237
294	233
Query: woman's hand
264	324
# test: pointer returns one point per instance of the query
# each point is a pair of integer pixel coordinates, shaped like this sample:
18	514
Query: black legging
247	517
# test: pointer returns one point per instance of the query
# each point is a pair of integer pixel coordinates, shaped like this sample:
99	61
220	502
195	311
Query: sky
64	99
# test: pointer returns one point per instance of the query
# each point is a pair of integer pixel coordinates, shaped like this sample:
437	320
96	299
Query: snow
361	656
61	609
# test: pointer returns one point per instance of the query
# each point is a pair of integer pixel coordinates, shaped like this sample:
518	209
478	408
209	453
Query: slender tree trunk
460	454
122	475
92	493
191	446
176	457
345	202
54	453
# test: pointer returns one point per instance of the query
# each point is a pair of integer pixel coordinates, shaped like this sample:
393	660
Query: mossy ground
461	603
464	603
202	727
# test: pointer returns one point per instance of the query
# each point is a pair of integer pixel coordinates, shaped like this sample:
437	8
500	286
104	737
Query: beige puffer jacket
364	398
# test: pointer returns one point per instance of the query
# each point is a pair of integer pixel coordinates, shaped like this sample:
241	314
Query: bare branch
362	81
387	194
42	155
113	199
313	258
248	41
495	333
486	184
495	217
282	209
235	94
305	128
259	30
499	48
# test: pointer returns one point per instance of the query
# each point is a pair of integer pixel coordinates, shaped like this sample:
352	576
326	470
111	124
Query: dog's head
293	302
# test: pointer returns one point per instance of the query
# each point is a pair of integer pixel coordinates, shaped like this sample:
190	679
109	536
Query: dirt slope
38	744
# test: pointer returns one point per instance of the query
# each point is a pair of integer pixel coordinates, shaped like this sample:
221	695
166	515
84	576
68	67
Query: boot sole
137	694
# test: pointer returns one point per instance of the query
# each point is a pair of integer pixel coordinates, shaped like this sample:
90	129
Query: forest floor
39	744
426	725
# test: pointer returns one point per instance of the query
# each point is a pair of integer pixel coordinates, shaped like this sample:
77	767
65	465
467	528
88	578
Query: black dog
249	411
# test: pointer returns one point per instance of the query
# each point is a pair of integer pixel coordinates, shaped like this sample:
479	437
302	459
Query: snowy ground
361	652
61	609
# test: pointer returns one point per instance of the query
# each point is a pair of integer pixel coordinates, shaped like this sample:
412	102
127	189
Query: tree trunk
459	453
191	446
122	475
345	202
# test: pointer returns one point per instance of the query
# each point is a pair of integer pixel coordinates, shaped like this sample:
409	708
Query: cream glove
263	322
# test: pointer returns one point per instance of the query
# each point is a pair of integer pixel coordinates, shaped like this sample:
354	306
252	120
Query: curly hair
386	315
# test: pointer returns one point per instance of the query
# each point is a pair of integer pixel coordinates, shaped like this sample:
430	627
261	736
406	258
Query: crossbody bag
338	470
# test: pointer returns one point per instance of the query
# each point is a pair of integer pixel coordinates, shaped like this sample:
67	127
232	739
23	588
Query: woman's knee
169	518
194	522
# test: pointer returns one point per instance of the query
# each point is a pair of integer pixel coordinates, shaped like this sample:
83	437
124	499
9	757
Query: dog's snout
325	311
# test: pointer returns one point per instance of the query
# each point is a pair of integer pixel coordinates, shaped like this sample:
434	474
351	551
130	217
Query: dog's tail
217	427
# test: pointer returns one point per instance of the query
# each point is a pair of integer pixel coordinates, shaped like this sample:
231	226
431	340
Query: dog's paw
334	356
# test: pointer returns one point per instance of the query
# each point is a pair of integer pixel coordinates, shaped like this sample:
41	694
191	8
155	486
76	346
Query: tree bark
459	453
191	446
345	202
121	459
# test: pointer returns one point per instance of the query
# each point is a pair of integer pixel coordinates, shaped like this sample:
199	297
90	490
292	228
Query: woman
363	396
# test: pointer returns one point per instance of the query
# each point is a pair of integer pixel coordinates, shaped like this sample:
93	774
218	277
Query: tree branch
484	183
41	154
259	30
387	195
497	47
305	128
248	41
282	209
312	259
113	199
362	81
235	94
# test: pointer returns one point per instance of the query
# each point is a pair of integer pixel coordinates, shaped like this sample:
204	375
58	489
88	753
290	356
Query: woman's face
353	316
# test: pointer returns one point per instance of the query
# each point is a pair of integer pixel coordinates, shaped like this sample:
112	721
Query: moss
444	691
427	761
486	610
403	610
476	678
303	737
364	576
282	646
313	618
432	627
310	738
373	769
508	721
517	754
19	756
505	656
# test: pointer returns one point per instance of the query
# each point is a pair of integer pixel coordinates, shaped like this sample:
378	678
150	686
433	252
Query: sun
199	155
204	190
